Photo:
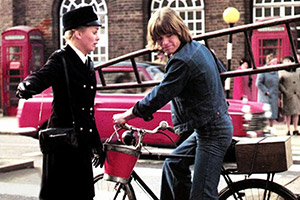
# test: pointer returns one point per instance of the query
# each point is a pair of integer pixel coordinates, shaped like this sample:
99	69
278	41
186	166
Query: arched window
280	8
100	7
191	11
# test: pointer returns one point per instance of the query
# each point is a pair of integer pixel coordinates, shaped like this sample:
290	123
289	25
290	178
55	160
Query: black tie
89	63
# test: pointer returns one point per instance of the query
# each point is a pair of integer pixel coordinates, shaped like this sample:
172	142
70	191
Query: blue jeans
209	144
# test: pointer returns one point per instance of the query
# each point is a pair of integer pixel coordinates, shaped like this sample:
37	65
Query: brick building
126	21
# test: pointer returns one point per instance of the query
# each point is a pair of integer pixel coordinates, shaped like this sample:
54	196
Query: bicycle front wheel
257	189
111	190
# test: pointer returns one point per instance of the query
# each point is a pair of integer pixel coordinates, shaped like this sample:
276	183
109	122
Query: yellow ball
231	15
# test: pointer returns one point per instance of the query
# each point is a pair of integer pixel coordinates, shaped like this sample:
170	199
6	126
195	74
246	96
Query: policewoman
69	175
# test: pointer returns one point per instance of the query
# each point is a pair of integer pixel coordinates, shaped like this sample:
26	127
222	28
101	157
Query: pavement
9	126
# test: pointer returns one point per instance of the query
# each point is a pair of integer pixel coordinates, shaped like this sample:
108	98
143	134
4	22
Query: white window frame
189	6
101	52
273	4
197	6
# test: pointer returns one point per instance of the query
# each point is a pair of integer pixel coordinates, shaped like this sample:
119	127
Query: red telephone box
21	54
274	40
269	40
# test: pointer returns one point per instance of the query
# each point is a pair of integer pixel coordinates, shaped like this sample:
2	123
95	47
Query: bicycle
248	188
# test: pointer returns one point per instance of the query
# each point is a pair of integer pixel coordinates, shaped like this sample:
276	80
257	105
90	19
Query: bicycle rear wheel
111	190
256	189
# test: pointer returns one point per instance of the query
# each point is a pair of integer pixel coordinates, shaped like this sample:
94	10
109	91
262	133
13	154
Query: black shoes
288	133
296	132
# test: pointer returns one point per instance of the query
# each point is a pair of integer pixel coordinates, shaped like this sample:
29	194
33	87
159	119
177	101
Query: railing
205	37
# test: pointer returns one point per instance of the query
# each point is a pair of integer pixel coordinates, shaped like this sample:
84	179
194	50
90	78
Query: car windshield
123	73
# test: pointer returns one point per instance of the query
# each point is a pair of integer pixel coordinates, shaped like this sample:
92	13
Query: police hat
84	16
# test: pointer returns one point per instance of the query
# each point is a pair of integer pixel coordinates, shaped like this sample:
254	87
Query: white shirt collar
78	52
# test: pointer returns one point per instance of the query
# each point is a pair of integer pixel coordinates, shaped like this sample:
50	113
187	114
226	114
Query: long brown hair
166	21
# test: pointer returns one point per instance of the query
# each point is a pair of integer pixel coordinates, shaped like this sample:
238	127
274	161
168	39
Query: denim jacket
192	82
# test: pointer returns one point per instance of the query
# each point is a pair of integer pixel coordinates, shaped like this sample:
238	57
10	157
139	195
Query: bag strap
68	88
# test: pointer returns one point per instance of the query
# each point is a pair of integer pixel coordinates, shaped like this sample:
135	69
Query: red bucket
119	163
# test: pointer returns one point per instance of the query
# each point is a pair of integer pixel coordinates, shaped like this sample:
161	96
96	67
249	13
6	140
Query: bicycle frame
233	189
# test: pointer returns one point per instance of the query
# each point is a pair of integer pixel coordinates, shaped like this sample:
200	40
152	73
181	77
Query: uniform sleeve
173	83
47	75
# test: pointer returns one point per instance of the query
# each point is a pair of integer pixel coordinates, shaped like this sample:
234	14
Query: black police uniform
69	175
70	171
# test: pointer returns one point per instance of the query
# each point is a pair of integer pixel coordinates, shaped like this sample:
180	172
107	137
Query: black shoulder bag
58	140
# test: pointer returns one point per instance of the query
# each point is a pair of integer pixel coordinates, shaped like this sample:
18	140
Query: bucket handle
114	133
116	128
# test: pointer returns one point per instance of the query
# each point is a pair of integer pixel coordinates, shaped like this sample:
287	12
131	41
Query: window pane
258	12
267	12
198	15
288	11
276	11
191	27
190	15
182	15
297	10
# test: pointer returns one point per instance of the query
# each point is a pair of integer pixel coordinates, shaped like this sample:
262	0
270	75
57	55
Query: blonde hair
166	21
70	33
269	57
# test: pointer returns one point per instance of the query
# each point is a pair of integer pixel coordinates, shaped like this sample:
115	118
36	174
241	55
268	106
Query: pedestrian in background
289	85
268	90
192	82
69	175
242	85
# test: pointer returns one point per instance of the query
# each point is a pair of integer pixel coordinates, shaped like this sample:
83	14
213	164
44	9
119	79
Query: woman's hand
122	118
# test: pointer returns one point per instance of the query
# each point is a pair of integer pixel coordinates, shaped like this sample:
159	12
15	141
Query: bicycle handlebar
163	125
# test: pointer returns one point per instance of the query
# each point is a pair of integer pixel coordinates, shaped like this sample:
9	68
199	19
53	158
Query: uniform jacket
289	85
192	82
82	83
69	175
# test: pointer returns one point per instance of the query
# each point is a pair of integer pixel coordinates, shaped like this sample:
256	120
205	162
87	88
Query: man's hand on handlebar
122	118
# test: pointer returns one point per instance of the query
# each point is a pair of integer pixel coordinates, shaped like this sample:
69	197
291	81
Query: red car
36	111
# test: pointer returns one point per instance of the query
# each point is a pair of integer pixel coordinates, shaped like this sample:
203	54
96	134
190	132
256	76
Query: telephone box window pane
14	53
267	1
15	80
14	72
270	43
